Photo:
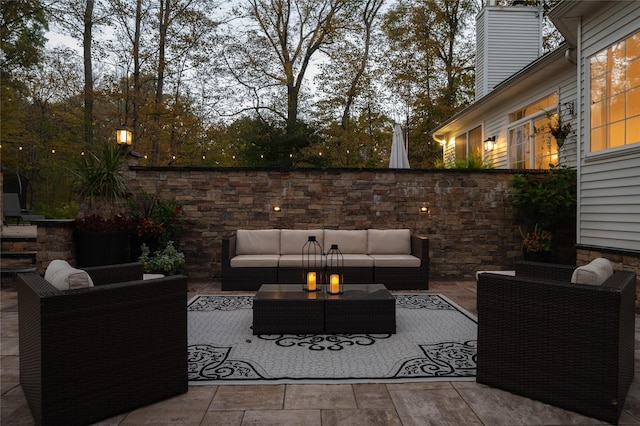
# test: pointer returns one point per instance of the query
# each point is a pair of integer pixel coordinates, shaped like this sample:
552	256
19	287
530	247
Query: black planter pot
538	256
98	248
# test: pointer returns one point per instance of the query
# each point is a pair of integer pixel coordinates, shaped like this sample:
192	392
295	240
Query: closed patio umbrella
399	159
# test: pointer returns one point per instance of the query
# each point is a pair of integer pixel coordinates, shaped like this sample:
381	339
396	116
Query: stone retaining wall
469	223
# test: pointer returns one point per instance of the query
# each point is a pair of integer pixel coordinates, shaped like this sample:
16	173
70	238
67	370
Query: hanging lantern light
312	265
335	273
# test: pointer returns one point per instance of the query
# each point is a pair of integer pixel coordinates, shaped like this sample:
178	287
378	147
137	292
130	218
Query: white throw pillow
595	273
64	277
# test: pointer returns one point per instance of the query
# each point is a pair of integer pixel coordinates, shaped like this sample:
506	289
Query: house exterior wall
609	181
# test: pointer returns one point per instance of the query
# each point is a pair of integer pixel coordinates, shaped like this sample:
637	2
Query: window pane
633	46
633	102
633	74
597	114
461	147
475	141
616	108
598	89
633	130
616	134
518	151
599	64
598	139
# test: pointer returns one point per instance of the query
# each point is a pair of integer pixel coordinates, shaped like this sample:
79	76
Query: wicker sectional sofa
392	257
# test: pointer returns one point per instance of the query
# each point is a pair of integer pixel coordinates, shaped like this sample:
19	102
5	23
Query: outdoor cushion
65	277
295	260
351	241
395	261
389	241
262	241
255	261
357	260
595	273
292	240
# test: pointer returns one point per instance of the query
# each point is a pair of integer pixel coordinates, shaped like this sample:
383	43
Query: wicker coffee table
361	308
287	309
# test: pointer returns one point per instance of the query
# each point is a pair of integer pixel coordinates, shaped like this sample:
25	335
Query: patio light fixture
124	137
490	143
424	208
277	209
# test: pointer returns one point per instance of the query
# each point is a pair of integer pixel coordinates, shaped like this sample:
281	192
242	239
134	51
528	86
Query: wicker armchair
89	354
564	344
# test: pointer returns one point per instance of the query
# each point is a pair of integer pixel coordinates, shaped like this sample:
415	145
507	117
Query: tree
22	27
271	58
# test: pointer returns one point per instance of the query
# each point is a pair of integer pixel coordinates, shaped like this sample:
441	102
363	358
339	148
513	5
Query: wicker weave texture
89	354
568	345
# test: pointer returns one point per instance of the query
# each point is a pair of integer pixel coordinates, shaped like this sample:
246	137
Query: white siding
507	39
609	181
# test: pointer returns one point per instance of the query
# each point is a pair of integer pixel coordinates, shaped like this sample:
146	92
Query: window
469	147
615	95
529	149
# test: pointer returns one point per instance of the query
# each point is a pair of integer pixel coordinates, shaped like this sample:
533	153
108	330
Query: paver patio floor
451	403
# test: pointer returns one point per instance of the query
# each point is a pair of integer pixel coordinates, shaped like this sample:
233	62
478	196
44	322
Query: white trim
579	129
616	152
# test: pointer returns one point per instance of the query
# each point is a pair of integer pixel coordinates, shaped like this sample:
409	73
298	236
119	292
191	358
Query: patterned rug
435	340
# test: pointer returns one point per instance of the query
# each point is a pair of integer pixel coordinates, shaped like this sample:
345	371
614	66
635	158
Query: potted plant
545	203
155	222
168	261
102	228
536	245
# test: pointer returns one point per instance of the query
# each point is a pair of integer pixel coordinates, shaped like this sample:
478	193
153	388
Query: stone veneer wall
469	223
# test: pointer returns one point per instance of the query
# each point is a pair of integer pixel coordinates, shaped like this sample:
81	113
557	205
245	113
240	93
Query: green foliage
100	181
473	161
544	199
168	261
154	217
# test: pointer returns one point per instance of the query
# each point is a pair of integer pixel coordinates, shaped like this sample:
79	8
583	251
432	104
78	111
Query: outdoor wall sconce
124	136
490	143
424	209
277	209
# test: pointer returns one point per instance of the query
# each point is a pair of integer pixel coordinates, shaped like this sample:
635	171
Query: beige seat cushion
388	241
261	241
395	261
357	260
348	241
595	273
65	277
292	240
255	261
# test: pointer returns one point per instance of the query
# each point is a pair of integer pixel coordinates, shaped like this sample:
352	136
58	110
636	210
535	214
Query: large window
530	143
469	147
615	95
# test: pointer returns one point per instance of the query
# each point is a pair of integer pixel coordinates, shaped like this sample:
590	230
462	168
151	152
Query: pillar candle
335	283
311	281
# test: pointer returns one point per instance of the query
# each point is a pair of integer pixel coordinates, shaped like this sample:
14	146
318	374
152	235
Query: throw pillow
64	277
595	273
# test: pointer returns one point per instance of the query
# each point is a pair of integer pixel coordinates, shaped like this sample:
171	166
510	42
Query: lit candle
335	283
311	281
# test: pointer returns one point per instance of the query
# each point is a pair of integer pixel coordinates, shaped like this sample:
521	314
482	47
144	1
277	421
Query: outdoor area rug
435	340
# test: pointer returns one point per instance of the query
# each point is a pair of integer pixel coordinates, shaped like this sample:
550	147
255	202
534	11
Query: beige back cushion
64	277
389	241
354	242
595	273
292	240
261	241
